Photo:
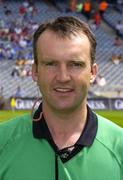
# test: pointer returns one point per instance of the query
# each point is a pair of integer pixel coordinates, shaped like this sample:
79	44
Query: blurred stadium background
18	21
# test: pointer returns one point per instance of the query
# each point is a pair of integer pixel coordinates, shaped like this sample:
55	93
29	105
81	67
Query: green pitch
115	116
8	114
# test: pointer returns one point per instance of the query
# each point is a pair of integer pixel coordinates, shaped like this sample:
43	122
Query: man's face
64	71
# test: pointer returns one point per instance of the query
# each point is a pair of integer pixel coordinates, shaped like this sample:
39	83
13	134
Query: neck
65	128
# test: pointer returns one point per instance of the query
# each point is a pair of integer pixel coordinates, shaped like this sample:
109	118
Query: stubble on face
63	95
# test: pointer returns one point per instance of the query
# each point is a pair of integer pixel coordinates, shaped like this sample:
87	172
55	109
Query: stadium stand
19	19
114	18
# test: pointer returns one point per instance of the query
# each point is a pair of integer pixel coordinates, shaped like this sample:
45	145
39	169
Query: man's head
64	68
64	27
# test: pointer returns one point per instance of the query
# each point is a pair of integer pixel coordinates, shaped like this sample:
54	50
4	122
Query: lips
63	90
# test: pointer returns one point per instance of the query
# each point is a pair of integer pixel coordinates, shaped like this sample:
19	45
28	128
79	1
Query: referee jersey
27	151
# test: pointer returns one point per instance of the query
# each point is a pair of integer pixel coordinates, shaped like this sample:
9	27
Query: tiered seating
10	83
112	73
112	16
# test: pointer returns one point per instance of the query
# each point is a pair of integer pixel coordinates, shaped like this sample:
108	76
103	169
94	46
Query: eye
50	63
77	64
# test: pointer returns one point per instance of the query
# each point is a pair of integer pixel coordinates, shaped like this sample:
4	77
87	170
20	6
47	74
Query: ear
34	73
94	69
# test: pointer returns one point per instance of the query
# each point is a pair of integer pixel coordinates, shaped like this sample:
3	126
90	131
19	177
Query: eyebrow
43	61
72	60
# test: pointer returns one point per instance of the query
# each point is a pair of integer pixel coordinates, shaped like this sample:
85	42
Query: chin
64	107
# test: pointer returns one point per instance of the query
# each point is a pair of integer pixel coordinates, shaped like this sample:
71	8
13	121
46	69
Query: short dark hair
64	27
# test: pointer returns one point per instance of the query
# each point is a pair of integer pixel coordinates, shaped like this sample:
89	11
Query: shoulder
106	127
14	128
110	136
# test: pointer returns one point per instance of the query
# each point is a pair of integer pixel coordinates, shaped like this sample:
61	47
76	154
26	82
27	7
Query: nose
63	74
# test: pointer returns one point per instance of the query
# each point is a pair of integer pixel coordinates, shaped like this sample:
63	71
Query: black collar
40	128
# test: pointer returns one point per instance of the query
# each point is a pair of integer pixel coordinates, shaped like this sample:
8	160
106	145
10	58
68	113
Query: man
65	140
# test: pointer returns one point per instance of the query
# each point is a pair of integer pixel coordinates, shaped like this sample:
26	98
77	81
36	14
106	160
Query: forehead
49	42
48	35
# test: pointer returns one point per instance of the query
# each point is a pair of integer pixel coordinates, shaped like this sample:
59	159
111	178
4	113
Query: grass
8	114
115	116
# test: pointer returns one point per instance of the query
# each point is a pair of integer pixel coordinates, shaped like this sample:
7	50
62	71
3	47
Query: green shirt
23	157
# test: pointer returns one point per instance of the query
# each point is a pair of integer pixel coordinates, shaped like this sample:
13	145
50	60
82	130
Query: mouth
63	90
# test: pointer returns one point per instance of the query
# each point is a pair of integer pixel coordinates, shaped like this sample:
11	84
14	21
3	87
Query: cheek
84	77
43	87
83	81
44	81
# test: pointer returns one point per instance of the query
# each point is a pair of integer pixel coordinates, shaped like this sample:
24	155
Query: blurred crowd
16	34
